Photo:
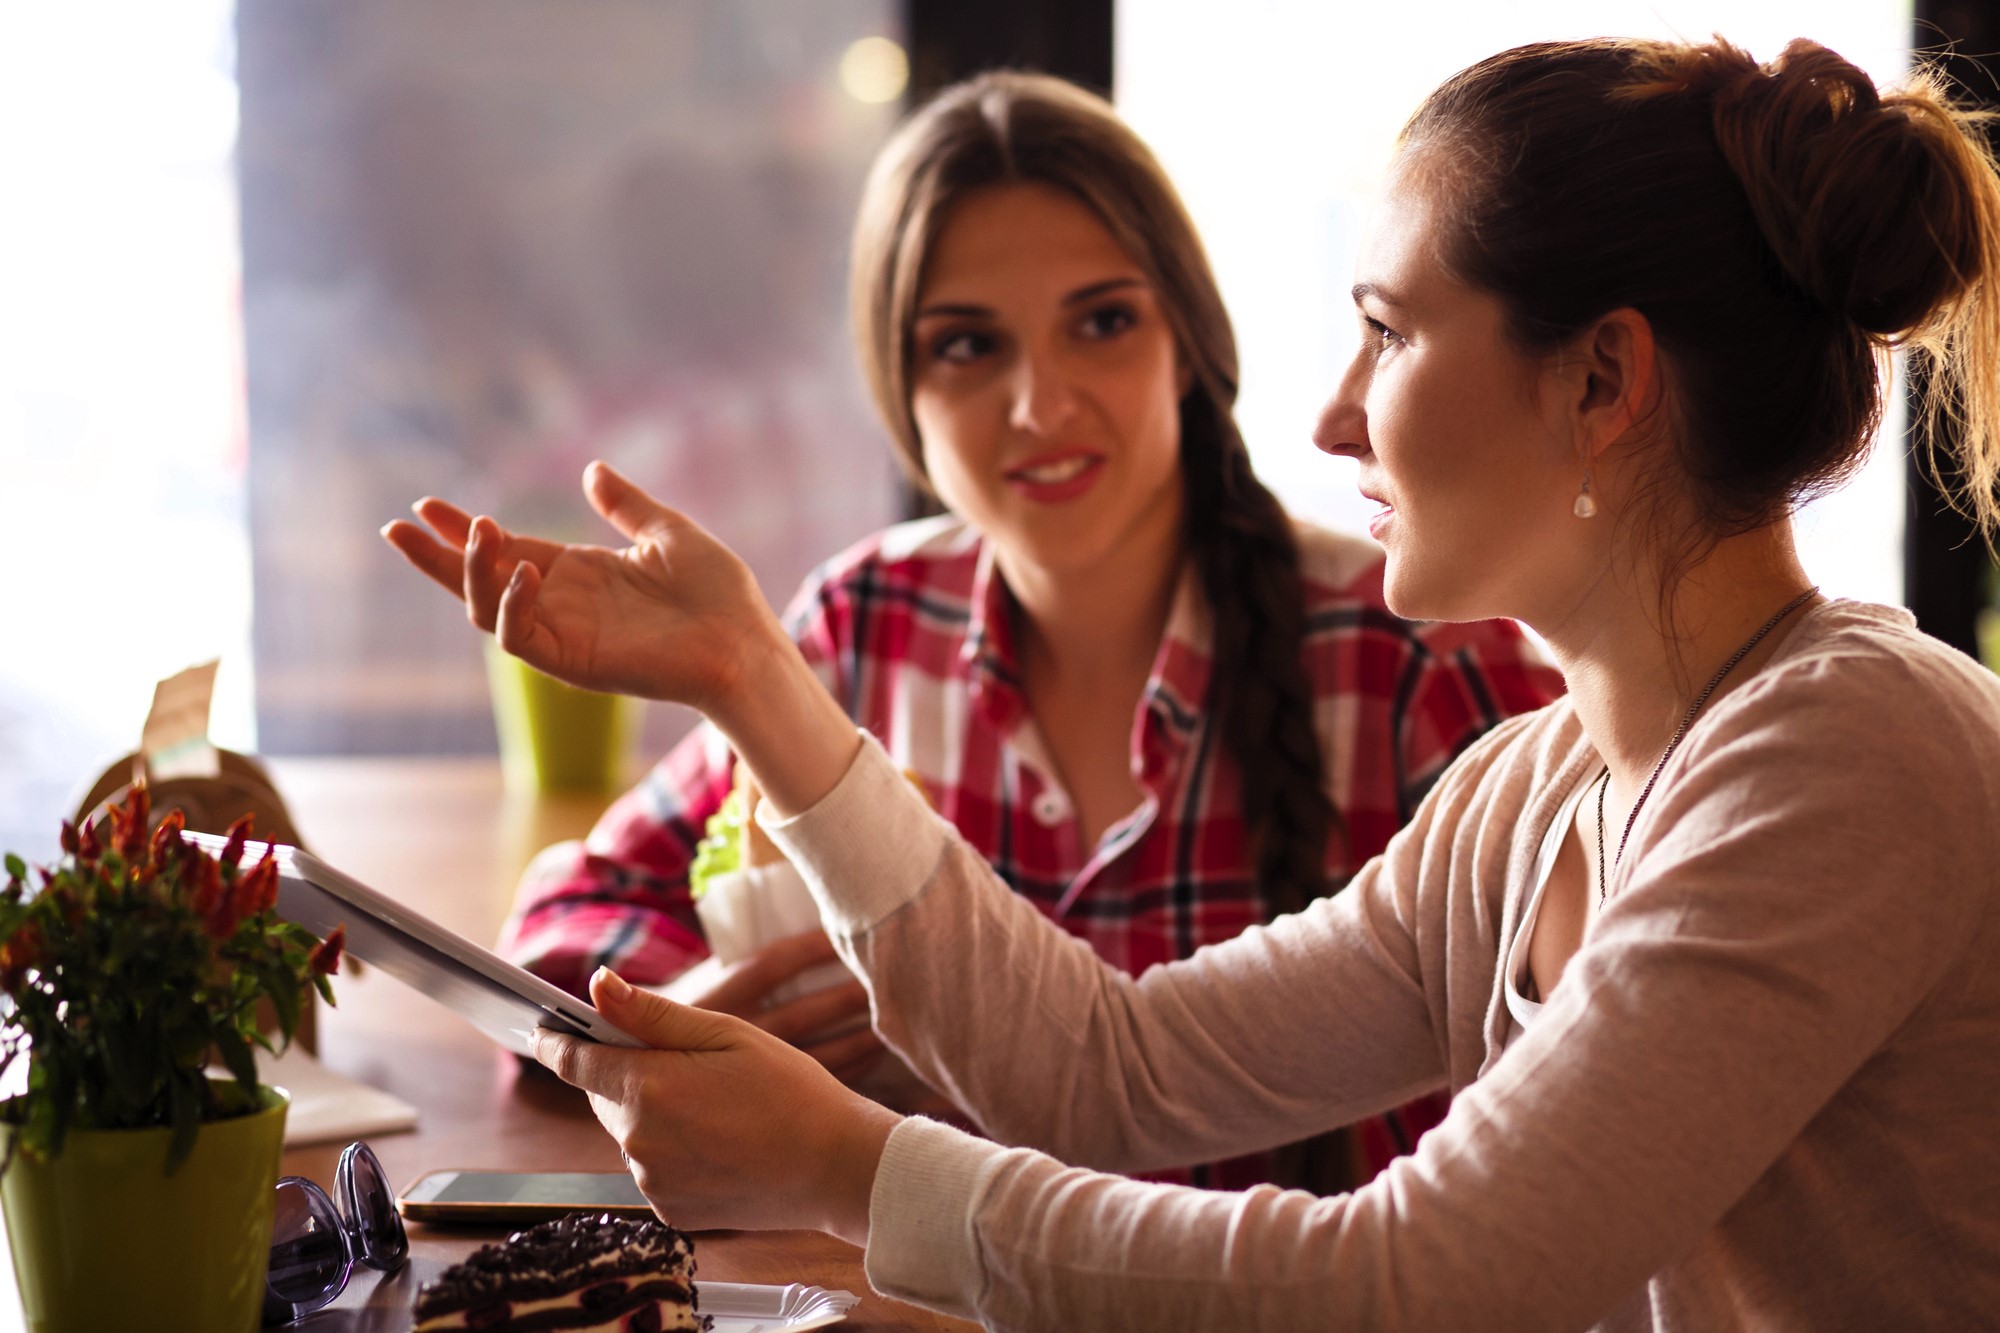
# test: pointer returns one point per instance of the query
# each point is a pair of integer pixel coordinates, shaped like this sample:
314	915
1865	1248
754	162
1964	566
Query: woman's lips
1384	511
1055	477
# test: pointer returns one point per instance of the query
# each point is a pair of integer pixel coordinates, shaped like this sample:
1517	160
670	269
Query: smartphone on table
519	1196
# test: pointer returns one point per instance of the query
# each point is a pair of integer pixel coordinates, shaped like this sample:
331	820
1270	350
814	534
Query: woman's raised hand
724	1124
673	615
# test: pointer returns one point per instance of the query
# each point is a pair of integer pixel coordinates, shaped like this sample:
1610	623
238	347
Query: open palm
666	617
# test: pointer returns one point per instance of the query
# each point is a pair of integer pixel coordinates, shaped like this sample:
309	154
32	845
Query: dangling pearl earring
1585	507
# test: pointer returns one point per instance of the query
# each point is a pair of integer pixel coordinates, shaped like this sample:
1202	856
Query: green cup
556	737
103	1238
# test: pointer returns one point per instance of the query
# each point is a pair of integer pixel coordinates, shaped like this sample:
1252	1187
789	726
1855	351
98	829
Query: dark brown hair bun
1859	195
1779	226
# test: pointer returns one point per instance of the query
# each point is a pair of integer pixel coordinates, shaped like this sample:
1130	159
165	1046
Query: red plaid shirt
911	631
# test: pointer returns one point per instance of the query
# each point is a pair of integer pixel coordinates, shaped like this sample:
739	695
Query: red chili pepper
208	889
120	824
232	851
138	811
325	956
167	837
258	891
227	916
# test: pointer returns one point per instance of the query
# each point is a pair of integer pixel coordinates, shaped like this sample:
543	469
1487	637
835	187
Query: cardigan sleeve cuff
922	1246
867	848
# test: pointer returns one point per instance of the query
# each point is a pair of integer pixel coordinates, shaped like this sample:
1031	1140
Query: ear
1608	377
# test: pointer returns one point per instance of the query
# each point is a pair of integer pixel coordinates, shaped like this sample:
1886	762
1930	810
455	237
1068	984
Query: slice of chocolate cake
577	1273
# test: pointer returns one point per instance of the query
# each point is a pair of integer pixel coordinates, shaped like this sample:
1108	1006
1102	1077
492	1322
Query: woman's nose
1342	428
1044	399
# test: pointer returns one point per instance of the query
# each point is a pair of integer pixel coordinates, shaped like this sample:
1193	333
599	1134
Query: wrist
757	659
785	726
850	1187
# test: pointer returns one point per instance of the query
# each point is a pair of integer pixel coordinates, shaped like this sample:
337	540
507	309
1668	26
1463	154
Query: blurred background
271	269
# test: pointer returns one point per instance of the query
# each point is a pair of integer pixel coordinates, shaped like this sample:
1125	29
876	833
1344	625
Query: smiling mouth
1056	472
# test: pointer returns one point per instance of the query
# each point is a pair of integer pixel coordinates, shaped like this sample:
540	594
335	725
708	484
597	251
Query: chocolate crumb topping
553	1258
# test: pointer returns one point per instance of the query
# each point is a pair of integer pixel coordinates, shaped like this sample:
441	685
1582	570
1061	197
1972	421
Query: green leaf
285	997
236	1056
16	867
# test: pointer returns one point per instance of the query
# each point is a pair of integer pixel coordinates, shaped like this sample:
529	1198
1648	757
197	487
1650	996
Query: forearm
782	723
1025	1027
1016	1240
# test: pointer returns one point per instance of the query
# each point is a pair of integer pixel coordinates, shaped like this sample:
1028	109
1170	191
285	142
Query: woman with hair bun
1705	949
1159	707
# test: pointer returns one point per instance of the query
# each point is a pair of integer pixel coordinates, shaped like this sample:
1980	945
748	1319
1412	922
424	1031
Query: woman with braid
1706	948
1161	709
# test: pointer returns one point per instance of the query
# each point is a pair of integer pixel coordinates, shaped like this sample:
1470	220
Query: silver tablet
488	991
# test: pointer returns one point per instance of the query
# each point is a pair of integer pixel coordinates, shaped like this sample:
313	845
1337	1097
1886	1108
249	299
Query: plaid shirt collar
1171	707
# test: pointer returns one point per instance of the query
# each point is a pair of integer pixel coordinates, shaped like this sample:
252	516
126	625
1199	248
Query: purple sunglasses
314	1245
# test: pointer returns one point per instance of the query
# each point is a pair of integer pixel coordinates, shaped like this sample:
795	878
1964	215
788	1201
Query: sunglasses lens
381	1240
309	1263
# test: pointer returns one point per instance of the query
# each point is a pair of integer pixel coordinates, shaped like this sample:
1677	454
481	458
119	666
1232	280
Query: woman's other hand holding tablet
692	626
823	1023
724	1125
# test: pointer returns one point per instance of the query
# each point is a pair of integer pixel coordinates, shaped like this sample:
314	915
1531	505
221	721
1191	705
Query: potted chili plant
137	1186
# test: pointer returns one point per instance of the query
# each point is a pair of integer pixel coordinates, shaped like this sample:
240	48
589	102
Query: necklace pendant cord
1680	734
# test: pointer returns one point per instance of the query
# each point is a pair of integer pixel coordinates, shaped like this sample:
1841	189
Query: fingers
849	1056
801	1018
446	519
658	1021
438	562
470	561
580	1063
514	623
485	573
743	991
627	508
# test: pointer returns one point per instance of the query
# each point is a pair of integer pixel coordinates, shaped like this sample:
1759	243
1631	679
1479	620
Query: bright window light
122	442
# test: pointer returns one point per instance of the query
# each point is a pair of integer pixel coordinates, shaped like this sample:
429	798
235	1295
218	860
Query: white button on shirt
1050	808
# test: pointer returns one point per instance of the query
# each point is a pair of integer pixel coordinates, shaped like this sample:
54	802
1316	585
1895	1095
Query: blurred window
485	243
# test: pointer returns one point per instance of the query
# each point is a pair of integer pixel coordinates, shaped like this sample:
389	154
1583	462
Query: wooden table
443	836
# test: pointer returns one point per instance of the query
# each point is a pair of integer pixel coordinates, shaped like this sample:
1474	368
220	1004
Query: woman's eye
1109	321
1380	335
961	346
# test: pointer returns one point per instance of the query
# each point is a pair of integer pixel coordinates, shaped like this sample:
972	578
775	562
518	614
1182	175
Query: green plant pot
103	1239
555	737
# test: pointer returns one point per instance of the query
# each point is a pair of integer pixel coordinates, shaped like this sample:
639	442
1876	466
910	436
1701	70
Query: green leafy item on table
138	956
721	849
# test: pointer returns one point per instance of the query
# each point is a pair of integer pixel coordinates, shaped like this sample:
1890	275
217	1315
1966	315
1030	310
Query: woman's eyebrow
1097	289
1362	289
1088	292
957	310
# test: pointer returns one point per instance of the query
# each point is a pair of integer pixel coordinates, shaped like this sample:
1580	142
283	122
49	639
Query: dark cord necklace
1680	734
